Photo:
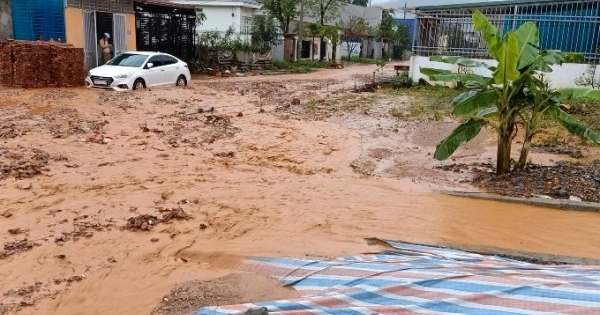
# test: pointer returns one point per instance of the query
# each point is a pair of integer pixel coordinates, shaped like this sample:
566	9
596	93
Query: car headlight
124	75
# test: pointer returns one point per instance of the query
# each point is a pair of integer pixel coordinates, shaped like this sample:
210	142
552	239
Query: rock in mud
229	154
12	248
144	222
17	231
22	163
175	214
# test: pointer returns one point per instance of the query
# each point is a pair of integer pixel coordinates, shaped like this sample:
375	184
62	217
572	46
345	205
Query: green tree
403	41
333	34
314	30
265	33
324	11
200	17
387	31
514	93
282	10
352	29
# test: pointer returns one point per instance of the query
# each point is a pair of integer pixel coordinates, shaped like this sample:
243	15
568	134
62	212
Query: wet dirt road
254	184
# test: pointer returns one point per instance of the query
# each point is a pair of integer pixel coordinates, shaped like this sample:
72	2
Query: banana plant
513	93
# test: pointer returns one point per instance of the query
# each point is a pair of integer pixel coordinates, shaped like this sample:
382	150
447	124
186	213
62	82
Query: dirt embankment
110	200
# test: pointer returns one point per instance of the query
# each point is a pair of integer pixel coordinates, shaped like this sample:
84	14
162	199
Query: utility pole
300	30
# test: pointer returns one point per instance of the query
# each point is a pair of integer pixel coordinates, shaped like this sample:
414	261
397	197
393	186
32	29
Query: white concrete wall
372	45
277	51
561	77
220	18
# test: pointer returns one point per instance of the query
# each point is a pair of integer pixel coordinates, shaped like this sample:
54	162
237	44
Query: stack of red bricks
28	64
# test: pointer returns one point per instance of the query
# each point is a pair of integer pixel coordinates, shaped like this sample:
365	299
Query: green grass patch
357	59
426	102
303	66
585	110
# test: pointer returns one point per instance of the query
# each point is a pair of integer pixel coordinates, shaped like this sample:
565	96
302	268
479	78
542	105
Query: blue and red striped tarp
414	279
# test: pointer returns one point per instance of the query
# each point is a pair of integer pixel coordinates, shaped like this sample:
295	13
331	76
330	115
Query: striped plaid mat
414	279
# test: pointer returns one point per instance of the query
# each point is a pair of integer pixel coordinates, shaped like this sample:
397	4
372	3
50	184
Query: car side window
156	61
168	60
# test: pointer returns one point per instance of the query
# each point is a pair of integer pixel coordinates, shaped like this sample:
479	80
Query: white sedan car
138	70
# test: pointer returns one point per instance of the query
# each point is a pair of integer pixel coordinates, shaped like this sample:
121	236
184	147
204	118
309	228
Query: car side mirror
149	65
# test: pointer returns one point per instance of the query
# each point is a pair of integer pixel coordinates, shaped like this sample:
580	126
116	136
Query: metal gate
120	34
166	30
91	41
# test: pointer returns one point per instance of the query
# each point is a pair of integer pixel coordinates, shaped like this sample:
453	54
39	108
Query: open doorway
306	49
104	24
95	25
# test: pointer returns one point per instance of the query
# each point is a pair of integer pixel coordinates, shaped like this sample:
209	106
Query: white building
371	15
239	14
222	14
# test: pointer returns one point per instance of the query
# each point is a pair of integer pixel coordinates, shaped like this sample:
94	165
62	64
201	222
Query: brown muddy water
254	184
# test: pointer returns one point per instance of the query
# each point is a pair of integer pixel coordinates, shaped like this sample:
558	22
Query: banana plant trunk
503	155
525	151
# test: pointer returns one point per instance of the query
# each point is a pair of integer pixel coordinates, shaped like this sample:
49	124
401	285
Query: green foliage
403	41
357	59
464	133
387	28
282	10
265	33
585	109
200	17
303	66
428	102
314	30
574	93
324	10
217	40
514	94
333	33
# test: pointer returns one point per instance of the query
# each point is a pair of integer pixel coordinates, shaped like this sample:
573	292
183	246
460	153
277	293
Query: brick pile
29	64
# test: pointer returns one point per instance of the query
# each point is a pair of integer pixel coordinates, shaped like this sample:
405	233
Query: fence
166	30
567	25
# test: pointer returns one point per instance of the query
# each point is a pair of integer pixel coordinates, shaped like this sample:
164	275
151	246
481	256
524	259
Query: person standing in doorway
105	46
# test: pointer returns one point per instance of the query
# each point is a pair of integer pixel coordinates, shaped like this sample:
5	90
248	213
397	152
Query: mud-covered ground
120	203
561	180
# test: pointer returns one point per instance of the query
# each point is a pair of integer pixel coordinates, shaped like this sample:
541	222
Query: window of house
247	24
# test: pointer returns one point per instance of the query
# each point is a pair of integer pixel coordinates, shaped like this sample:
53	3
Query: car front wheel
181	81
139	84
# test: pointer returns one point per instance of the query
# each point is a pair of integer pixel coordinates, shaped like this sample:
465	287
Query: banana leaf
463	133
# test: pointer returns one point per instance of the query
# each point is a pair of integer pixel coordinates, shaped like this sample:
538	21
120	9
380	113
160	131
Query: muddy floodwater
217	186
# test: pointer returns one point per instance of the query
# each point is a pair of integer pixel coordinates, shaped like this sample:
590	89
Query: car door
171	68
154	75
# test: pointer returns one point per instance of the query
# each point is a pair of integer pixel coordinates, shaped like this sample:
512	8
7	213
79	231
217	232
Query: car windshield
128	60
